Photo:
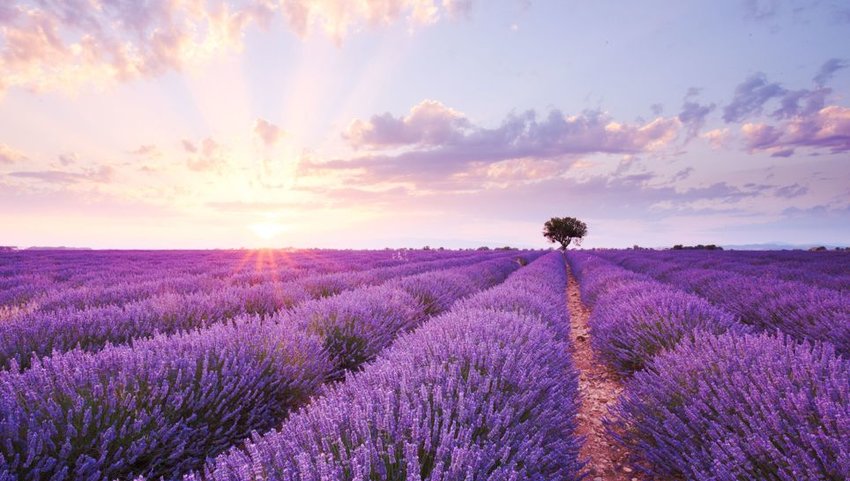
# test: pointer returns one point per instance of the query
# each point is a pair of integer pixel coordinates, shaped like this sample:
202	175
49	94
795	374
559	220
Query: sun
267	230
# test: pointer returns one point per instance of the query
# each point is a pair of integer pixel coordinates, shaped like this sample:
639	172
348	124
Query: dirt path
599	388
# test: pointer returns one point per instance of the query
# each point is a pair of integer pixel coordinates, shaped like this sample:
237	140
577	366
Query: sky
404	123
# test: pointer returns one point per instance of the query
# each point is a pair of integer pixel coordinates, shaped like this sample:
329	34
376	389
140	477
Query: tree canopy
564	230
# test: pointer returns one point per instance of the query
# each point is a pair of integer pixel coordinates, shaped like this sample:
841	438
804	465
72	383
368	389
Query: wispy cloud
791	191
753	94
205	156
9	155
102	174
147	151
693	115
828	69
68	158
750	97
760	9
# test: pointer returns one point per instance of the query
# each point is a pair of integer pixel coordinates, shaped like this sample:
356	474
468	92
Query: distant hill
58	248
775	246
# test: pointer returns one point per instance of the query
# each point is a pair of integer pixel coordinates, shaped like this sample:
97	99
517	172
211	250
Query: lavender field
300	240
423	364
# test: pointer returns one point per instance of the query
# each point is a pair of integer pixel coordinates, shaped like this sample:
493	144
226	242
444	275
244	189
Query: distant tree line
707	247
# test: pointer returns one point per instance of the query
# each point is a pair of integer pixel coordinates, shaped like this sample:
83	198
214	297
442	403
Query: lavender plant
631	326
735	407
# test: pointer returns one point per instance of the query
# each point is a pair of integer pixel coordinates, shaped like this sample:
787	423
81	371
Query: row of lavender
706	396
41	333
54	280
485	392
803	311
161	406
829	269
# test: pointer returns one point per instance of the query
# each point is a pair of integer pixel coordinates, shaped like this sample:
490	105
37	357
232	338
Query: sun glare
267	230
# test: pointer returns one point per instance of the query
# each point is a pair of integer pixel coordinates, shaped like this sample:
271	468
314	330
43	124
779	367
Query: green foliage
564	230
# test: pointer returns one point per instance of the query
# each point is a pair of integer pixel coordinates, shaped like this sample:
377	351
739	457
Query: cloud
337	18
828	69
63	45
693	115
440	142
68	159
717	138
829	128
147	150
753	94
268	132
189	146
750	97
102	174
9	155
784	153
791	191
429	123
801	102
240	206
656	109
682	174
207	155
760	9
54	45
639	197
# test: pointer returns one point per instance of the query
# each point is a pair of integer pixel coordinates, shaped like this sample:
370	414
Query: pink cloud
431	124
828	128
440	142
147	150
68	159
9	155
189	146
428	123
63	45
102	174
207	155
717	138
268	132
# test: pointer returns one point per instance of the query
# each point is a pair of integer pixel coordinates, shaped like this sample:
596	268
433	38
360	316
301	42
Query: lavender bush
630	327
735	407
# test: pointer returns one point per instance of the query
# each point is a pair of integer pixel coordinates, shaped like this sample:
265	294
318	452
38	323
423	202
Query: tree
563	230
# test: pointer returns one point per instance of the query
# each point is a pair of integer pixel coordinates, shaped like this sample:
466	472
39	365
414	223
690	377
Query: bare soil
599	388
